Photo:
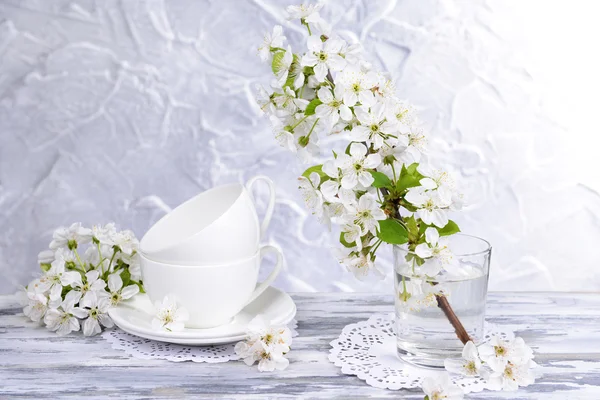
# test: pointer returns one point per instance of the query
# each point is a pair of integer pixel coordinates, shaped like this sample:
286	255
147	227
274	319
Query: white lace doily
367	349
139	347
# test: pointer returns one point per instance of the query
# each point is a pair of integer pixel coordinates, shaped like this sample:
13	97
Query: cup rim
467	254
170	214
223	264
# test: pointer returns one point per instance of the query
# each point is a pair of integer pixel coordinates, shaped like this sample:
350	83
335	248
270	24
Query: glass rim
488	248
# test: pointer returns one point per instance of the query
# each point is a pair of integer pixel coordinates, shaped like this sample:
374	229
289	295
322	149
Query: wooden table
562	328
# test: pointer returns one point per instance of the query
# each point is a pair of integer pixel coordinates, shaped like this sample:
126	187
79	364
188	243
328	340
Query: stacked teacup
205	254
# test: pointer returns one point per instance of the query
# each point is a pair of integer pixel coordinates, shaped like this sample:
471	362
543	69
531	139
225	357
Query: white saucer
135	317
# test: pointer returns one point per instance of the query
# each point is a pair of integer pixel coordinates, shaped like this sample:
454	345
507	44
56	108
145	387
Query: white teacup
215	227
212	294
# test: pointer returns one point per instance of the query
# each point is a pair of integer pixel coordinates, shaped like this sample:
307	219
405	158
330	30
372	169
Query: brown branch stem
460	330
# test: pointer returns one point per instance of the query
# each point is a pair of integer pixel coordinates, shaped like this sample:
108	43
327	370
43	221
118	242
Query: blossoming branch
80	284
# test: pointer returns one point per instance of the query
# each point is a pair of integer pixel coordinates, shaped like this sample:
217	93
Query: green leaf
413	229
45	266
391	231
310	108
276	63
381	179
315	168
450	229
409	177
343	241
126	276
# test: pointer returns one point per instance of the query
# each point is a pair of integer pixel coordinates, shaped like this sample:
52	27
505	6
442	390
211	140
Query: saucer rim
134	329
191	341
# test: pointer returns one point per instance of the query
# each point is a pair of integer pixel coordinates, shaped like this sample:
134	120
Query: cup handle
267	282
269	213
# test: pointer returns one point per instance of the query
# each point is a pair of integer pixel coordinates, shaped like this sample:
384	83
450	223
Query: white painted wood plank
563	329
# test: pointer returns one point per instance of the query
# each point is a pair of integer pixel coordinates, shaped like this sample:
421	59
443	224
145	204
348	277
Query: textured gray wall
118	110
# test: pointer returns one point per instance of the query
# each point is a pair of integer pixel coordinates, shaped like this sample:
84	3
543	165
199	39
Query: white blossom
97	313
511	377
91	287
351	53
63	320
303	11
126	242
271	40
441	387
498	353
357	87
281	65
70	237
37	305
415	149
469	365
366	213
431	206
323	56
46	257
104	233
400	113
352	234
373	127
355	166
55	278
287	100
266	344
119	293
310	193
169	316
332	189
436	253
332	107
415	294
361	265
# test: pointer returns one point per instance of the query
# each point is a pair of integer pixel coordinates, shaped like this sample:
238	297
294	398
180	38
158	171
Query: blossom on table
439	388
511	376
266	344
64	319
75	271
97	309
90	285
37	305
70	237
497	353
469	365
118	293
503	364
169	316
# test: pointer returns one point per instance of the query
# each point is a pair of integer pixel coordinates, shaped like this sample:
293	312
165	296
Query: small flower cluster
169	316
378	189
79	285
504	365
266	344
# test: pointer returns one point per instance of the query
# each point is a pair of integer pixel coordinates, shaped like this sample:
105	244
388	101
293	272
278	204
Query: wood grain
563	329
